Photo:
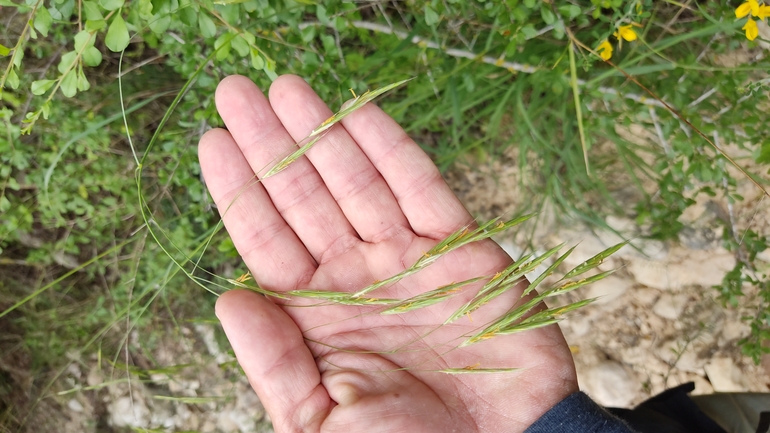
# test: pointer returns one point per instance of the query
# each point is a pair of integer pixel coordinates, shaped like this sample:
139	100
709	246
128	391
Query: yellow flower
751	29
626	32
744	9
605	50
764	12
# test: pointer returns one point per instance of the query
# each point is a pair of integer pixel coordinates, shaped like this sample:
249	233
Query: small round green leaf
270	70
41	86
18	56
256	60
67	60
159	24
320	12
547	14
43	21
55	13
12	80
95	25
223	45
83	83
223	50
249	38
230	11
529	31
83	40
570	11
92	11
111	5
240	45
145	8
340	23
250	5
92	56
117	35
69	84
188	15
46	109
431	17
207	26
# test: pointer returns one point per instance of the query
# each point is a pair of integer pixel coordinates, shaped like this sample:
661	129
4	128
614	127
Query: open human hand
363	204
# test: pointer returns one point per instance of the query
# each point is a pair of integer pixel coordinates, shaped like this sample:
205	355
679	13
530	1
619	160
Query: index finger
431	208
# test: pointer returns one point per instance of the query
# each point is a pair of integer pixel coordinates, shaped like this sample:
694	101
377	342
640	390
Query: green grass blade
533	285
594	261
578	107
53	283
194	400
430	298
475	370
320	131
572	285
502	282
554	313
341	297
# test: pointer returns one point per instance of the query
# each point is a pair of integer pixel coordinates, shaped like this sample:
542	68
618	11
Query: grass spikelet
452	242
240	282
509	324
572	285
473	369
344	298
479	301
533	285
527	325
318	133
430	298
358	102
534	263
555	313
506	320
502	282
484	231
595	260
481	336
512	322
388	281
288	160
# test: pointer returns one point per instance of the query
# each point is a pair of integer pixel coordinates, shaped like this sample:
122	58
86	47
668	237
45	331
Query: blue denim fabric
578	414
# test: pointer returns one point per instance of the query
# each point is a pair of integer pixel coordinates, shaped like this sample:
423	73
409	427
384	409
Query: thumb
280	367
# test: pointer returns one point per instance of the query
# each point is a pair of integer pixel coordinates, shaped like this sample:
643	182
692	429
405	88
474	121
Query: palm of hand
365	204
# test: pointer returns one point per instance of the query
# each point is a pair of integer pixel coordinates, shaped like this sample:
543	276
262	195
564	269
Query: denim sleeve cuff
578	414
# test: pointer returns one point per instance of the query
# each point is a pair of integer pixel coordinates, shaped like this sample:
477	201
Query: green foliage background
86	84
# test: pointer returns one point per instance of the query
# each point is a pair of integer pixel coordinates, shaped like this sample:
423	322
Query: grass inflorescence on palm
578	95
